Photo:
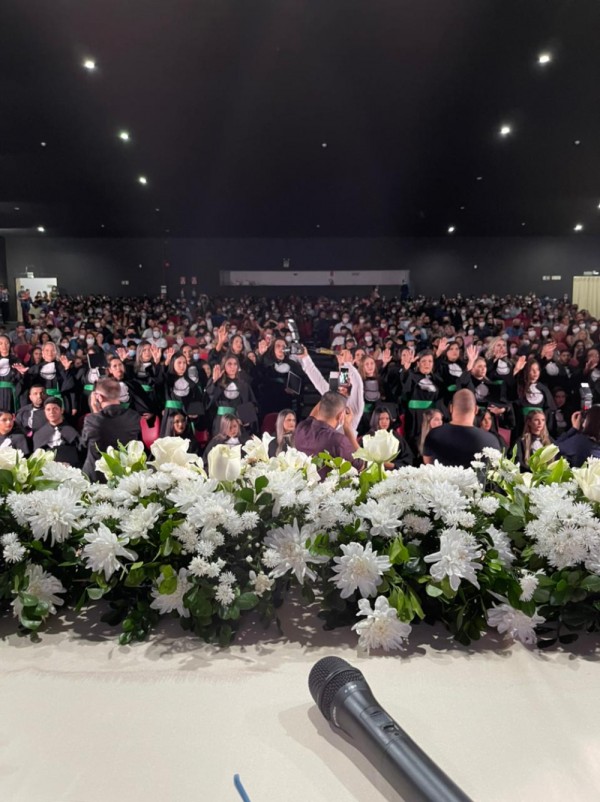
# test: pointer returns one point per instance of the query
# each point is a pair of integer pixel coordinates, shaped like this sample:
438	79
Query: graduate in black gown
10	436
57	435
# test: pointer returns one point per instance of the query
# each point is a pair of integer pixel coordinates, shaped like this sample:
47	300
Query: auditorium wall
437	265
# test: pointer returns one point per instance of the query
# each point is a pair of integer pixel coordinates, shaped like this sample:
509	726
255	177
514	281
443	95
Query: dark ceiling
230	103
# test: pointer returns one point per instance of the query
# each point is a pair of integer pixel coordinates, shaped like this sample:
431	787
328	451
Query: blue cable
240	788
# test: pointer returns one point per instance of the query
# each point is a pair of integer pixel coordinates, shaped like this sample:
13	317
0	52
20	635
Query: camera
338	379
586	396
295	347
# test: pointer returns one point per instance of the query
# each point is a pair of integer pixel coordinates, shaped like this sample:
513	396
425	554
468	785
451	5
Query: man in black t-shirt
456	443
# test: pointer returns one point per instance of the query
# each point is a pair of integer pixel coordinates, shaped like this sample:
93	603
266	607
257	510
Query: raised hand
262	347
548	350
169	355
156	354
216	373
122	354
344	357
442	345
386	357
407	358
472	354
520	364
20	368
65	361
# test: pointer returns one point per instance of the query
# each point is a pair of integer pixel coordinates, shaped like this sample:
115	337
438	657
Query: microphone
344	697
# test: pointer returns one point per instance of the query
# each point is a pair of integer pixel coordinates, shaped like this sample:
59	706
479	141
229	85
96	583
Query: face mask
481	325
525	342
89	341
361	320
575	329
582	325
392	331
65	344
471	332
368	338
98	325
345	320
131	354
545	332
593	327
179	341
513	350
171	326
505	336
531	333
556	328
233	331
156	334
195	357
288	338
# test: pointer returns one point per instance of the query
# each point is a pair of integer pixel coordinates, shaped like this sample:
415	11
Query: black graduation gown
68	451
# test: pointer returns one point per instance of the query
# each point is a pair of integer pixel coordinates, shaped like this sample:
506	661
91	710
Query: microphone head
326	678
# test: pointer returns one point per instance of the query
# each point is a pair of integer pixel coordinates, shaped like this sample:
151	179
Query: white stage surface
85	720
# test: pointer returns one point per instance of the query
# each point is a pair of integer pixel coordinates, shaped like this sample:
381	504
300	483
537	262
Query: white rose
8	458
379	447
171	449
135	451
256	449
588	479
225	463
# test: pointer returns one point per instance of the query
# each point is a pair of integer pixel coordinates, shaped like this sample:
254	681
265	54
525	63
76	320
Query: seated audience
57	435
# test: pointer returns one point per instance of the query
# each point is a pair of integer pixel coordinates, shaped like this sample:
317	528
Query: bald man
457	442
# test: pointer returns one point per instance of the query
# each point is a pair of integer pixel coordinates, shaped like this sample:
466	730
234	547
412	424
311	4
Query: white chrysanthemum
103	512
65	474
9	539
383	521
191	491
417	524
201	567
224	594
167	602
455	559
43	586
187	535
514	623
502	545
212	510
261	583
286	551
55	513
381	628
488	504
102	549
133	487
227	578
529	584
359	569
13	551
139	521
249	520
492	455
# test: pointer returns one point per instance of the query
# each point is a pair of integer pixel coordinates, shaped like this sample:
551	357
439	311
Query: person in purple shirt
320	432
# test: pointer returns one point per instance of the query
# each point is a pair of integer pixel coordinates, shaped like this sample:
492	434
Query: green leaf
136	576
591	583
95	593
260	484
168	586
433	591
28	600
398	552
30	623
246	601
512	524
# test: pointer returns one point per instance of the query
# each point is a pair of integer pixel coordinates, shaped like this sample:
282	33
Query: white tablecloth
83	719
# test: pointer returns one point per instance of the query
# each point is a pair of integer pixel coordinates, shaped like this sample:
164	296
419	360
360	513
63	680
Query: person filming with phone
582	440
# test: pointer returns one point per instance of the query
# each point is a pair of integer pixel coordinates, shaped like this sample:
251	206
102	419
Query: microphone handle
389	749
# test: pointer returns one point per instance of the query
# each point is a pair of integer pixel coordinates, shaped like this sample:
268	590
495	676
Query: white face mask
593	327
575	329
156	334
89	341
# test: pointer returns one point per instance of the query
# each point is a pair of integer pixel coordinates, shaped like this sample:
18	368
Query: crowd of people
312	371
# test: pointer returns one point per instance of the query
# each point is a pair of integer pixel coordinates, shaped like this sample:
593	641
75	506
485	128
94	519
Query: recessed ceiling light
41	229
578	227
577	142
43	144
18	208
451	229
544	58
598	206
89	64
522	224
479	178
102	225
157	209
505	130
323	144
318	225
142	179
124	135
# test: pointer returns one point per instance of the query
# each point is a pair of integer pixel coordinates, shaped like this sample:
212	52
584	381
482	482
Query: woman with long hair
535	435
230	392
285	427
179	425
181	394
276	391
422	389
231	433
488	423
432	418
531	394
56	375
449	366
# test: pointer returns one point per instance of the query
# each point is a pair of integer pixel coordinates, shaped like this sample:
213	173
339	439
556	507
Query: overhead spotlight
544	58
43	144
323	144
89	64
124	135
479	178
451	229
599	205
578	227
18	208
143	180
505	130
41	229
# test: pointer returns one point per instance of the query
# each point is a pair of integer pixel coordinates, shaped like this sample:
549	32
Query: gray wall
445	264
